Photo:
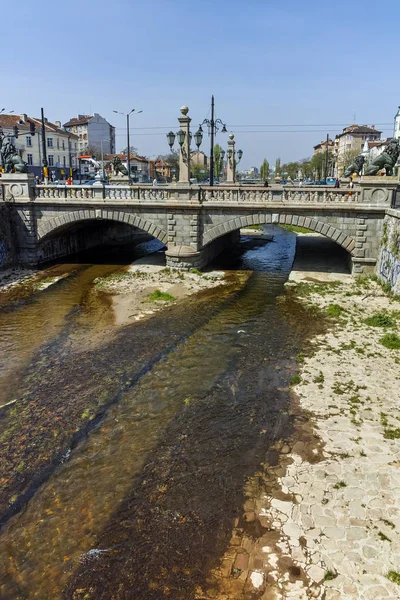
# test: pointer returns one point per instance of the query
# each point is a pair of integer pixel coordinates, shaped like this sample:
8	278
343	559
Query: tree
218	163
200	172
277	166
345	160
318	164
172	160
92	151
133	150
291	169
264	169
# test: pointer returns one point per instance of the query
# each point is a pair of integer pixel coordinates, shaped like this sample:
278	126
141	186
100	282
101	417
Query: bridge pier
186	258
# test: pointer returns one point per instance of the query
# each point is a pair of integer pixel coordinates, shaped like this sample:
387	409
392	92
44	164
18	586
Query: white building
61	146
396	133
93	131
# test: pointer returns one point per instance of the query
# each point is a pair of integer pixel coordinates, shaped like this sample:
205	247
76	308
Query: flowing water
142	507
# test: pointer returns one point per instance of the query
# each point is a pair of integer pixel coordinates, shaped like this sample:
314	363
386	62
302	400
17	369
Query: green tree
318	164
291	169
346	159
218	163
264	169
200	172
306	168
277	166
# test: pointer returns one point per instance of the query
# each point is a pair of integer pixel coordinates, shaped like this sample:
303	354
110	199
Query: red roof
81	120
9	121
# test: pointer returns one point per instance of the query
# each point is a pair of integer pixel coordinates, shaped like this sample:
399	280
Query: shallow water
143	507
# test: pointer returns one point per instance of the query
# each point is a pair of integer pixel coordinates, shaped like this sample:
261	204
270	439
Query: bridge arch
311	223
53	224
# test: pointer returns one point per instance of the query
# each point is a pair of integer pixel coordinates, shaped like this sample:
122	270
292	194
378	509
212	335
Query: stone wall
388	266
7	241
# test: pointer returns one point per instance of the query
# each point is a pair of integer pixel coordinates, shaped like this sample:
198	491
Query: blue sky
267	63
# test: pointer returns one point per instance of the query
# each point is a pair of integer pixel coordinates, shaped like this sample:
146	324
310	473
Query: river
134	445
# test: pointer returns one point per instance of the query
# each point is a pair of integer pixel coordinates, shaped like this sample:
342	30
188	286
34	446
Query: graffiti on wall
390	267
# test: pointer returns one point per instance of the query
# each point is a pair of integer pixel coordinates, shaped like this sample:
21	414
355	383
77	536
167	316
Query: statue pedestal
18	186
119	180
377	189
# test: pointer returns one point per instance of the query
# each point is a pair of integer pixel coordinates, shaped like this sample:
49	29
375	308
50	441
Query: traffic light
32	128
16	131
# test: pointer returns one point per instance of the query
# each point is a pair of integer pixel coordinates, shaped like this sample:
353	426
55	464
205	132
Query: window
58	161
30	159
49	142
51	160
75	145
63	144
28	140
64	163
58	143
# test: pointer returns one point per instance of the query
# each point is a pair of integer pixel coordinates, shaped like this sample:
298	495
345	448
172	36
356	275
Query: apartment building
61	146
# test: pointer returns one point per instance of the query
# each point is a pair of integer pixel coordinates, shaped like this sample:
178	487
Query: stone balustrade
225	194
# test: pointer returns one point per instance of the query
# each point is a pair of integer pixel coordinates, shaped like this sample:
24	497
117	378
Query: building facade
321	147
61	146
351	142
94	132
396	133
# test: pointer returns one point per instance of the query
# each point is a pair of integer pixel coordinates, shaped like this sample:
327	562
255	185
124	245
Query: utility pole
326	157
128	158
44	150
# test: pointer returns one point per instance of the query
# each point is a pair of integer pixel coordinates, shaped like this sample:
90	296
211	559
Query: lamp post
213	128
184	137
232	162
128	151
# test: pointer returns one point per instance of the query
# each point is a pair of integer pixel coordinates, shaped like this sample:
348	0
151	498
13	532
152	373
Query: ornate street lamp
212	125
128	151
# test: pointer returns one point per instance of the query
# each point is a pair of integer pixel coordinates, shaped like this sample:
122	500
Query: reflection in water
188	431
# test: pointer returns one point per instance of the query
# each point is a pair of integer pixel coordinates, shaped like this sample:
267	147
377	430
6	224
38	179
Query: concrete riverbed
238	442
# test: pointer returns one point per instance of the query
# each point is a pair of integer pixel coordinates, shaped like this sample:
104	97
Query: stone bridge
194	222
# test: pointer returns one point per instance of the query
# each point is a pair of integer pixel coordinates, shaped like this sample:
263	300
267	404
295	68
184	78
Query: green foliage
218	163
295	228
382	319
317	164
319	378
196	272
347	159
264	169
340	484
334	310
394	576
159	295
384	241
277	166
295	379
391	341
255	227
383	537
200	172
291	169
329	575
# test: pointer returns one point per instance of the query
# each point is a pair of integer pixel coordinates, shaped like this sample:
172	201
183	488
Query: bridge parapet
379	193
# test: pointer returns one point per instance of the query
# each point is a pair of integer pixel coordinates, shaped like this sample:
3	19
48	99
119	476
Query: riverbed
136	459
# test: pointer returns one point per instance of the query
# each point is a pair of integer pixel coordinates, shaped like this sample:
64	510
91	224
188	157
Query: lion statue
356	166
10	157
118	166
386	160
